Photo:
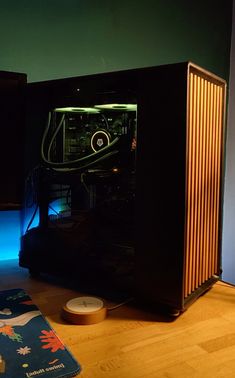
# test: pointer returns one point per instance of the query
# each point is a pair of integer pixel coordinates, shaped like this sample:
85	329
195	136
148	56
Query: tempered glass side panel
86	188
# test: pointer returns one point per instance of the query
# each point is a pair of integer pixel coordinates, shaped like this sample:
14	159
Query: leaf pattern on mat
10	332
53	342
7	330
29	302
20	294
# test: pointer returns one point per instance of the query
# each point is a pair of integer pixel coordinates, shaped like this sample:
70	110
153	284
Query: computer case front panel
179	257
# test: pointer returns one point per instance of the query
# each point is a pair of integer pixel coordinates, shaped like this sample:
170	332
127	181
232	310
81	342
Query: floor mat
29	347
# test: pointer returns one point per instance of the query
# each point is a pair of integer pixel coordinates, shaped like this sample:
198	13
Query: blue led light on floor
11	228
10	231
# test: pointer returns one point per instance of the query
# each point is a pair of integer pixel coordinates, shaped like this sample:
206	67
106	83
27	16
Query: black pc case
136	159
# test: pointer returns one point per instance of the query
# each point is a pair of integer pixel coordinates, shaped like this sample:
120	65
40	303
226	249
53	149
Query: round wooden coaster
84	310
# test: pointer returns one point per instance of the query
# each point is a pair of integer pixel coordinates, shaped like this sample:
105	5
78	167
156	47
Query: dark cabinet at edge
12	139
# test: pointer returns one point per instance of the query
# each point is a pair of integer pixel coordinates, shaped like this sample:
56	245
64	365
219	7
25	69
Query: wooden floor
133	343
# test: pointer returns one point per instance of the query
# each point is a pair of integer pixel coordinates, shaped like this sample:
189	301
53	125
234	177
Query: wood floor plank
134	342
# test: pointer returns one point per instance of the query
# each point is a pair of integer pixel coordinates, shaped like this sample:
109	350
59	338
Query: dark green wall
50	39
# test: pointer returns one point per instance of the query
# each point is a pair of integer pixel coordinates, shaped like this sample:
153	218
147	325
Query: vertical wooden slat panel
191	178
204	154
204	193
188	272
216	184
214	169
201	182
197	182
209	177
219	122
198	189
194	182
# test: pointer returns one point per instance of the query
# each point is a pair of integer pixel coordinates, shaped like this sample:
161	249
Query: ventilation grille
204	152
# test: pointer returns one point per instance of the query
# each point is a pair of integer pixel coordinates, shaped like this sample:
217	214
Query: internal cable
120	304
83	182
77	169
32	218
54	136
